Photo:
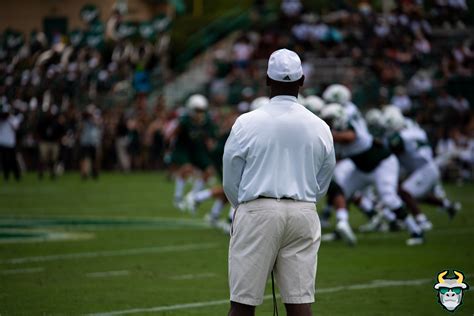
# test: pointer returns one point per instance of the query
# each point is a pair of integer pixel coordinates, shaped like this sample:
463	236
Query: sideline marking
106	274
15	236
20	271
193	276
112	253
363	286
101	223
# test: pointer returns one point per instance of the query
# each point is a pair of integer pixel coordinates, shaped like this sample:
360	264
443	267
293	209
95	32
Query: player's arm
344	137
176	130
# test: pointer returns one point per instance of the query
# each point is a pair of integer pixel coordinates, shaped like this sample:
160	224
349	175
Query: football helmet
314	103
259	102
393	119
197	102
337	93
335	116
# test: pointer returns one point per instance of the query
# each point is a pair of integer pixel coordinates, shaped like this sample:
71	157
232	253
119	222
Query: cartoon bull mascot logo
450	290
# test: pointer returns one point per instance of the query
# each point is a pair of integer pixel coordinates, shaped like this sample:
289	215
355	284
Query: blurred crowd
81	100
420	59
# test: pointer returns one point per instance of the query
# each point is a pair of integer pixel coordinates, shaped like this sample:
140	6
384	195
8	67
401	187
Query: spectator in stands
420	83
401	100
242	51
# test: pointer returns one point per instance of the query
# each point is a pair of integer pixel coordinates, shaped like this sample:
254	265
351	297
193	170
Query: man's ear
301	81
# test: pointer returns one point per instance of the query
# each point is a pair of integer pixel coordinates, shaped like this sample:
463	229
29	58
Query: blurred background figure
122	142
8	126
50	130
90	140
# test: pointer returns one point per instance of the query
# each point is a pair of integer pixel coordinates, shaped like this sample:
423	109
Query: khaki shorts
279	235
49	151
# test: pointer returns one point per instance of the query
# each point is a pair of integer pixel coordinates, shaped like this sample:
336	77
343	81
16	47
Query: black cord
275	306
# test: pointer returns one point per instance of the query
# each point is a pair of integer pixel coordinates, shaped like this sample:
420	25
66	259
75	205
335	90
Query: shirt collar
280	98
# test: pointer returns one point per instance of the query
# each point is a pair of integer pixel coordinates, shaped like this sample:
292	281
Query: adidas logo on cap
284	65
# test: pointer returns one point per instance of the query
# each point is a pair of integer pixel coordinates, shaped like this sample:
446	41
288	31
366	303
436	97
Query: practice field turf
117	246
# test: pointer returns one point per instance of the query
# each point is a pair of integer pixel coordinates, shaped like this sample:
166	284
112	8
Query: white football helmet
337	93
259	102
301	98
393	118
336	116
374	117
197	102
314	103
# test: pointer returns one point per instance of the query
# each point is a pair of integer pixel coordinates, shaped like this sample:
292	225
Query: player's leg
415	209
343	227
343	169
365	201
202	163
439	198
179	159
385	178
216	210
352	182
182	173
368	202
418	186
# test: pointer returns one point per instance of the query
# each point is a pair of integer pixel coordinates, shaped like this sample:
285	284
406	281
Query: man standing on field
278	162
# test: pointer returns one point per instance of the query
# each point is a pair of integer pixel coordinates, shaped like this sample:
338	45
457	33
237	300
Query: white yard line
111	253
106	274
193	276
21	271
363	286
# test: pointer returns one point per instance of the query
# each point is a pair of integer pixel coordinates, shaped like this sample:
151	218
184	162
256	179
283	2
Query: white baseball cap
285	66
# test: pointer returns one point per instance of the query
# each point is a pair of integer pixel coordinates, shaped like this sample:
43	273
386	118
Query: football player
192	137
409	142
373	164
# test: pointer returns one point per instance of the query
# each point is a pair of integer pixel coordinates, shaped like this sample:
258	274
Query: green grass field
117	245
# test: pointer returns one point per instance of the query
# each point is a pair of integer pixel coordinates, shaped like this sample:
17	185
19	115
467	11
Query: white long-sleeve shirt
8	129
280	150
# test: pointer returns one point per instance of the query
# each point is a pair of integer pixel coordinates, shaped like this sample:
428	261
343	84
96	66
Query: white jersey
364	139
412	148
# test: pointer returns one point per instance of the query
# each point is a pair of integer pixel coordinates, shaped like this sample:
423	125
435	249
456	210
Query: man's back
285	147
